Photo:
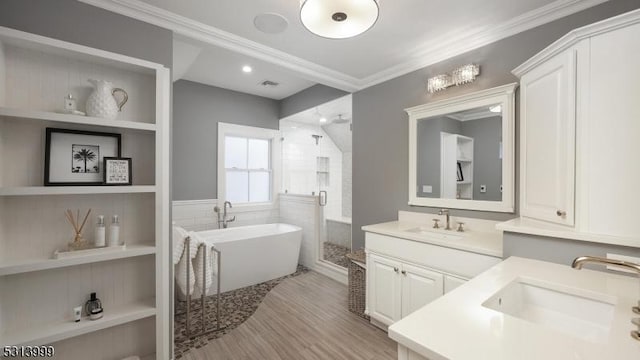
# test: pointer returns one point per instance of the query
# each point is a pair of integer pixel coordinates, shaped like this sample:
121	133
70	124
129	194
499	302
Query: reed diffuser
78	242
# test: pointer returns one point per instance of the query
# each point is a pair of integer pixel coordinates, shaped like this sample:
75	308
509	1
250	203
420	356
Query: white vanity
526	309
409	263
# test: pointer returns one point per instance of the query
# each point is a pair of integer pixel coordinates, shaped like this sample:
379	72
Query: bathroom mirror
461	151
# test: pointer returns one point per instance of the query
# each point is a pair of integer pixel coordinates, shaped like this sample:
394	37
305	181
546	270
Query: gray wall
559	251
429	151
79	23
380	156
197	110
308	98
487	165
347	180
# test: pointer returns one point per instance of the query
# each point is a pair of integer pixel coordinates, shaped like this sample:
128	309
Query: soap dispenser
114	231
100	232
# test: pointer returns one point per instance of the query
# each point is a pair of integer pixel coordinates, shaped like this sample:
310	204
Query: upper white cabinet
579	134
547	142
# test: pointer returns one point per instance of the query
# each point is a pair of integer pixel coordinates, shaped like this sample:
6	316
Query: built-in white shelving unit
456	166
37	291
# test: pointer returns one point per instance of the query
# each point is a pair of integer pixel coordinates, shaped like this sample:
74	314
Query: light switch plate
623	258
483	188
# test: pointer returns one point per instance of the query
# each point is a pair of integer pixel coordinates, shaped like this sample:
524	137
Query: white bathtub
255	254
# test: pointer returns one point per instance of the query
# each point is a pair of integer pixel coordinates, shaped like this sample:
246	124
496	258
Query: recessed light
247	69
323	119
496	109
270	23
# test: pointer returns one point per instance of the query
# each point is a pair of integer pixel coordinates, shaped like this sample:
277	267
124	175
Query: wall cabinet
578	131
404	275
547	142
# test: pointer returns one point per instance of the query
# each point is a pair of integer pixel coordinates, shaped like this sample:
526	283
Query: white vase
101	103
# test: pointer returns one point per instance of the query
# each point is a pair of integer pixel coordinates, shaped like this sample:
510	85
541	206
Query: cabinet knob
435	223
395	269
404	272
561	213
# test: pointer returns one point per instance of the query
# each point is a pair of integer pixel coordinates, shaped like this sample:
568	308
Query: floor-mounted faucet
223	221
446	212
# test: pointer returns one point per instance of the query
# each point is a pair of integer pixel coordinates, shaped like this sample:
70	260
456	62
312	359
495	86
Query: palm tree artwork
85	159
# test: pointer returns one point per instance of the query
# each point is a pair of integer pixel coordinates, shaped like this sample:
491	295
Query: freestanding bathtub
254	254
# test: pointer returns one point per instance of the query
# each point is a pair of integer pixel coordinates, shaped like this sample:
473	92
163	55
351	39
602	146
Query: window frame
250	132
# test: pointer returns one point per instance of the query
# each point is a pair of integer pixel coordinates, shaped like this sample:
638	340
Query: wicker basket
357	284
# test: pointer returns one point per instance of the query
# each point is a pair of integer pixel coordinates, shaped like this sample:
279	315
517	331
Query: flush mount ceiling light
462	75
338	19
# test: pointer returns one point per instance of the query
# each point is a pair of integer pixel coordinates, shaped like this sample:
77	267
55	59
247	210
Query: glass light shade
338	19
465	74
438	83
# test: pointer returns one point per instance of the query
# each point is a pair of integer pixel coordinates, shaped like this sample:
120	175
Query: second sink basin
582	314
435	233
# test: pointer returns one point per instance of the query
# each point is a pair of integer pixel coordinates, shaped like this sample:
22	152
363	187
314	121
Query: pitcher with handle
102	103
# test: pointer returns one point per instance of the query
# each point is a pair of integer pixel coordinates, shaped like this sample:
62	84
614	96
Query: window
248	166
248	169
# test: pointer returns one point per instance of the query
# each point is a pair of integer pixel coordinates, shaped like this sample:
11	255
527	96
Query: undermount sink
586	315
436	233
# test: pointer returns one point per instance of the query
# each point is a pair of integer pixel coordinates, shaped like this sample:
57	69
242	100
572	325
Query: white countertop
457	326
486	243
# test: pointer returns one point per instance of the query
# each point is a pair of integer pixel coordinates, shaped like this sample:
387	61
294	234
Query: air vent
269	84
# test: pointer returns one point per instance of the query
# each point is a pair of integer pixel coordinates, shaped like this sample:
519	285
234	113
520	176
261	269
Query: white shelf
30	265
464	160
53	332
75	190
74	119
464	183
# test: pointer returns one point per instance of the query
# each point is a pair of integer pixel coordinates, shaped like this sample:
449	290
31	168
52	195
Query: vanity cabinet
404	275
397	289
578	132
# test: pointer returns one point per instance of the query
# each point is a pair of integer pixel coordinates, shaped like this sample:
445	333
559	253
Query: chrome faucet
223	221
446	212
580	261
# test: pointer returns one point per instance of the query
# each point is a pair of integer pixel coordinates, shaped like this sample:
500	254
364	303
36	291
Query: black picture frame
106	174
459	174
77	178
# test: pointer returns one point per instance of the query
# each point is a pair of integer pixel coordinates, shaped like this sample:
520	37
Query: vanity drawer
458	262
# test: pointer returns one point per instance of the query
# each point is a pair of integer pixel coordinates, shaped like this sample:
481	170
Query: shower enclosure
316	161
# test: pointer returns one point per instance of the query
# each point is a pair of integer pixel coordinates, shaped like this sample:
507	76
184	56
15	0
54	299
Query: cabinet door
419	287
384	289
452	282
547	136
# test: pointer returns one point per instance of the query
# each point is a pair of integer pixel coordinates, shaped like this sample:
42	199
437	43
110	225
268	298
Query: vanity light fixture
338	19
459	76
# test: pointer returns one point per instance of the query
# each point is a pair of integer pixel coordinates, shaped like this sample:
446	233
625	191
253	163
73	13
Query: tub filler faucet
224	220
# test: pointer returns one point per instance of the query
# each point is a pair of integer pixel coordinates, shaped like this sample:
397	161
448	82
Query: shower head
317	137
340	120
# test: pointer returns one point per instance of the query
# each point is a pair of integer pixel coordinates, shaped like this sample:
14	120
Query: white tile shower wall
299	162
303	211
198	215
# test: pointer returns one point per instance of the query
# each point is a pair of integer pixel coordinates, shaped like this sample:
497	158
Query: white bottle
99	238
114	232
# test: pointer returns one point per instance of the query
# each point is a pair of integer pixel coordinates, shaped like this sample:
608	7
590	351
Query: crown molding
425	55
208	34
579	34
442	49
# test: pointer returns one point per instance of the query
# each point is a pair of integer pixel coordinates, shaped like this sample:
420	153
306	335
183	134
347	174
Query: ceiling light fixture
323	119
247	69
459	76
338	19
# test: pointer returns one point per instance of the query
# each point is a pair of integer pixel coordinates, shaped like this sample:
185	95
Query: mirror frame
503	95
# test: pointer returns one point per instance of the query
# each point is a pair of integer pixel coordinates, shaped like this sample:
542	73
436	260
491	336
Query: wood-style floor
303	318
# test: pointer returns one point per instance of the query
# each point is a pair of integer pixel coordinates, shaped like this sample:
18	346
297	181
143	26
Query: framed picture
117	171
460	174
75	157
